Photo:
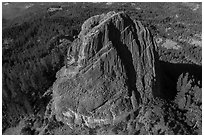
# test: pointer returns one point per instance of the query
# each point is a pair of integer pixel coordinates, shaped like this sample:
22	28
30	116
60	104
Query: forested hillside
35	44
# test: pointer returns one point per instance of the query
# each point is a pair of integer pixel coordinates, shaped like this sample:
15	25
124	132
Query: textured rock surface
110	71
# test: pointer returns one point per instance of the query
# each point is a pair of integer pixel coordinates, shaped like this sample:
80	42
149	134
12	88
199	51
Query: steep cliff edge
111	70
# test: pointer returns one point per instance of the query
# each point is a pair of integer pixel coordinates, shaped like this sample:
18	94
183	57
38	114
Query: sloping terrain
91	71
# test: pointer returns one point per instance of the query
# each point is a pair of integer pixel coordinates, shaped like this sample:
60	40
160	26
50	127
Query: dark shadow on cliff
169	77
126	57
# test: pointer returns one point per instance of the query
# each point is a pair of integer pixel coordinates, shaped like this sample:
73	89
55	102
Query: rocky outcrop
110	71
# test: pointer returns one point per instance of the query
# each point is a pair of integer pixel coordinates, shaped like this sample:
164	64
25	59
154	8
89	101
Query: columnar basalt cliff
111	70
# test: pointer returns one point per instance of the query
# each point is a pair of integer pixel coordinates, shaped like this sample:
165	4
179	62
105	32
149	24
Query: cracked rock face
110	71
